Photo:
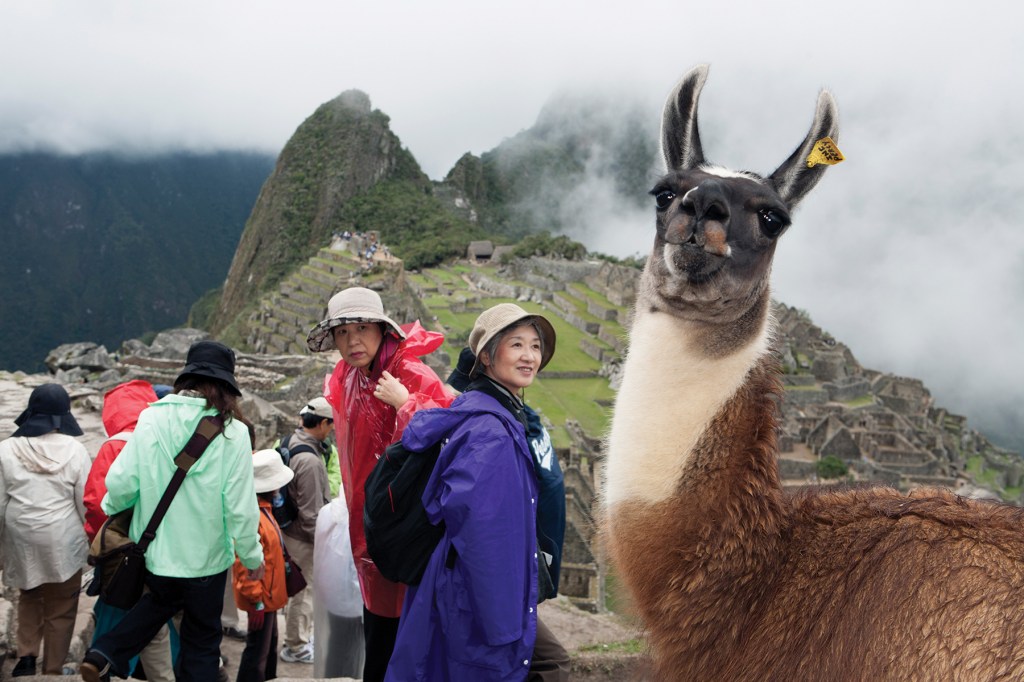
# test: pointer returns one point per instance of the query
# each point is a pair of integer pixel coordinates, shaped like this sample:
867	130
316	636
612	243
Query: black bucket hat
49	409
212	360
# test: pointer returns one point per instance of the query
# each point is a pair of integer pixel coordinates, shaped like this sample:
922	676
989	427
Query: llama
732	578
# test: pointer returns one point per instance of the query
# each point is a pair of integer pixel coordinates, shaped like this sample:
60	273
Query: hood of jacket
418	341
46	454
429	426
123	404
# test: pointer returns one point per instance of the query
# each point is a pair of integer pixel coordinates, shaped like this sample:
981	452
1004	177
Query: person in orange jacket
261	599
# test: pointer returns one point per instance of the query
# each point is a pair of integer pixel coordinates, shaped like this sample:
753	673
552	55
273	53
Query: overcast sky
912	251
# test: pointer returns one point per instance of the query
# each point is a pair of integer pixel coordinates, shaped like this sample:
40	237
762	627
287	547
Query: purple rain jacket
474	615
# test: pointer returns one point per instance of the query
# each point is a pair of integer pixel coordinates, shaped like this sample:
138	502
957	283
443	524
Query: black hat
49	409
460	377
213	360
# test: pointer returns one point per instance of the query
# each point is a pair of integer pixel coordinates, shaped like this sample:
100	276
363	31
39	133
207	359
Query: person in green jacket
213	518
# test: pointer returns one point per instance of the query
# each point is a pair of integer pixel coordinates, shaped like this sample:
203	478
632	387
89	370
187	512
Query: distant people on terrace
375	388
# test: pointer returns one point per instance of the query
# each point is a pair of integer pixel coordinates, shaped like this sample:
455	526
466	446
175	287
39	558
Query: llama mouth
698	265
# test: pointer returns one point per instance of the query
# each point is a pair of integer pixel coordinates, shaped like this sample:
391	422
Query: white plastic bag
335	583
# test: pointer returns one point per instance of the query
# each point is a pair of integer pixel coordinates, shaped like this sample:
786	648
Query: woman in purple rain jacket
473	617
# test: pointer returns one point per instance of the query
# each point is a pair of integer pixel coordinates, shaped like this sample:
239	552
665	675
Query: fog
911	251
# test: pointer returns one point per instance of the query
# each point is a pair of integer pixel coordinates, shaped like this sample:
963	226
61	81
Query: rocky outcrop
339	152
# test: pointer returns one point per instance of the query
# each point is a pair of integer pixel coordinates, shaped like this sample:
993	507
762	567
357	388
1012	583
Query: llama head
717	228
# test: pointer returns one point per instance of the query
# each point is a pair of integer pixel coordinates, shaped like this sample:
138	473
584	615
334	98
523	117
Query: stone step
337	268
325	278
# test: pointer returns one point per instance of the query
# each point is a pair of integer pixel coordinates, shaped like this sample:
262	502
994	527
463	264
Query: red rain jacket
121	408
364	426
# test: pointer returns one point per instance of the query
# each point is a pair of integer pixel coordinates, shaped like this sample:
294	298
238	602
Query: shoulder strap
299	447
207	429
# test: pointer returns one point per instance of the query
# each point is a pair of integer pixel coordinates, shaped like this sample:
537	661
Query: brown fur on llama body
733	578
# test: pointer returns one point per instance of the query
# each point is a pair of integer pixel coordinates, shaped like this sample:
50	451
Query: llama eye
664	198
772	222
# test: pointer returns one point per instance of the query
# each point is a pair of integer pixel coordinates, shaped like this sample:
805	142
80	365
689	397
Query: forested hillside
105	248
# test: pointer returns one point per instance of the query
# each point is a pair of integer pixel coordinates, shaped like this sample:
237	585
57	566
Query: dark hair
311	420
217	393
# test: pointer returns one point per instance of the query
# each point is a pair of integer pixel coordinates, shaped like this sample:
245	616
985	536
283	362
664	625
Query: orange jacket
271	589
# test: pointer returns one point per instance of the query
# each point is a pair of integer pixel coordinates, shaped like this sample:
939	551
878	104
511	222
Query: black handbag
294	581
120	564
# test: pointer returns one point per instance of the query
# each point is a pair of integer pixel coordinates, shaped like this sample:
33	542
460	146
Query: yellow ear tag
825	151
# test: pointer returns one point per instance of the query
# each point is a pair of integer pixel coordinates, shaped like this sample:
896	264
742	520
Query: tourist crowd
250	530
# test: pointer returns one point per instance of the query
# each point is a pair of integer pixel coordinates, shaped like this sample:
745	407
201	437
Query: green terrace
569	387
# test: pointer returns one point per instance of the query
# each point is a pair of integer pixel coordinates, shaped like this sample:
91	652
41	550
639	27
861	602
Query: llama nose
709	208
709	203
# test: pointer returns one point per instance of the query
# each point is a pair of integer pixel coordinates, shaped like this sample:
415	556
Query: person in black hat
43	470
211	519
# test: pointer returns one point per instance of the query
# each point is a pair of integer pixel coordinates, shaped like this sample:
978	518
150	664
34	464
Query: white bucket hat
355	304
269	472
502	316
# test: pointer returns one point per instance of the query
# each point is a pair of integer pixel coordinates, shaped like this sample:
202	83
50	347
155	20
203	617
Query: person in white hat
374	390
261	598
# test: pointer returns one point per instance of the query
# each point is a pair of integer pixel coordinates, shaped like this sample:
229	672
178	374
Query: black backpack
287	511
399	536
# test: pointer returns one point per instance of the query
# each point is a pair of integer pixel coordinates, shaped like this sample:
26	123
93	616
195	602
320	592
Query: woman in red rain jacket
374	390
121	408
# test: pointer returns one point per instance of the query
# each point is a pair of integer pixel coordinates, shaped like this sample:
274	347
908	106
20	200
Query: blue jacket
473	617
551	497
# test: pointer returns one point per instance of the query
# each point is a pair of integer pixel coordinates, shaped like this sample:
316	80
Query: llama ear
795	178
680	139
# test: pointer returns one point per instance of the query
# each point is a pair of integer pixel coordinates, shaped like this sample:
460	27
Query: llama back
876	584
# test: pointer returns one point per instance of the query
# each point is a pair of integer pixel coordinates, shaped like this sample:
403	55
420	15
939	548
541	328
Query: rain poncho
364	426
42	480
473	617
121	408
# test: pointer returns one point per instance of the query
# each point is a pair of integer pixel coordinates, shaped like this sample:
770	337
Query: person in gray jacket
309	490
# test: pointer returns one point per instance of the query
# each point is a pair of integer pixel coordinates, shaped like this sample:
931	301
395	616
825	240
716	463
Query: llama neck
671	391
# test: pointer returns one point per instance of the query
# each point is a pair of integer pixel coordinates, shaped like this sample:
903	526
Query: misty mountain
104	248
585	153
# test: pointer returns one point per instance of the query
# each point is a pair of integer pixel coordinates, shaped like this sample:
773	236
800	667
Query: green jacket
214	515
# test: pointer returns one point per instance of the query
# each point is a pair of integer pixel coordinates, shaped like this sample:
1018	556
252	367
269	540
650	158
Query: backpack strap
209	427
301	447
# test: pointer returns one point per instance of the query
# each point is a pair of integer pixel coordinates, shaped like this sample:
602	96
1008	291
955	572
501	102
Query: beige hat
355	304
269	471
318	406
502	316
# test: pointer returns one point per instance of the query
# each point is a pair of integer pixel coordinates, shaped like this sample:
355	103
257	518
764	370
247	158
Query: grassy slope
556	398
